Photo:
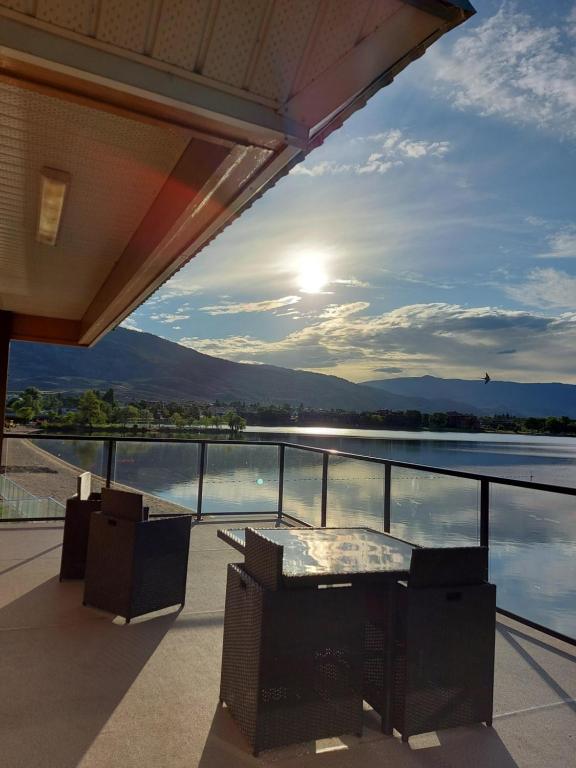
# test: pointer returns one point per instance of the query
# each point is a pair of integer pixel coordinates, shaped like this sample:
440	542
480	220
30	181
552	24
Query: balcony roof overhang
170	123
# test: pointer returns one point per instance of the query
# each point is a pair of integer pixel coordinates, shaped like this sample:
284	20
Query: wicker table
275	614
315	556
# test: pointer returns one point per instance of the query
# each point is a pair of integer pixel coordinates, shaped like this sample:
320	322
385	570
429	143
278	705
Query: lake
532	533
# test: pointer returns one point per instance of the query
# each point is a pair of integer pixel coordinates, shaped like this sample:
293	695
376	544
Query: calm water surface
532	533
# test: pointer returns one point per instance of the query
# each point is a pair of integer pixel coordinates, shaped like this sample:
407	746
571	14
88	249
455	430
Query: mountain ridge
539	399
139	365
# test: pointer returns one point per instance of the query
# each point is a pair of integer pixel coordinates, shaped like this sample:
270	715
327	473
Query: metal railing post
484	513
201	469
110	462
324	502
387	495
281	458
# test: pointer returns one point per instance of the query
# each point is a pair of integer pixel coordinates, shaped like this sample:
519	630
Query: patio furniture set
131	565
317	620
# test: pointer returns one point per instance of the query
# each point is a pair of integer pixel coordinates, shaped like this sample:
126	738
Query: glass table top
332	552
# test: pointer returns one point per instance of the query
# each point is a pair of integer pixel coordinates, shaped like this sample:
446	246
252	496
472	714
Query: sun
312	276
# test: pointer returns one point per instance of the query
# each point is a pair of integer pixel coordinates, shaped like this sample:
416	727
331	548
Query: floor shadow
472	747
551	682
544	644
28	470
30	559
64	669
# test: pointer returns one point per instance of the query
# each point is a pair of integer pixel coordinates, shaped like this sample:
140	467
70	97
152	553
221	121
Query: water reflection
532	534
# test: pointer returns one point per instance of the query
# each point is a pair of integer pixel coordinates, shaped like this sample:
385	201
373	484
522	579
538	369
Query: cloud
562	244
535	221
417	278
131	324
326	167
395	146
229	308
445	339
572	22
182	284
545	288
390	369
513	67
351	283
393	150
168	318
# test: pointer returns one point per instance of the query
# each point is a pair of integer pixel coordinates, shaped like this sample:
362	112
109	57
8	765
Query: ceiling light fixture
53	189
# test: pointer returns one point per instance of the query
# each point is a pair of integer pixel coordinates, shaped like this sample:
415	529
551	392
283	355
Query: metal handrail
495	479
485	482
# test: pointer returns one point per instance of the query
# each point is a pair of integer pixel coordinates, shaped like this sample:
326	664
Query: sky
434	233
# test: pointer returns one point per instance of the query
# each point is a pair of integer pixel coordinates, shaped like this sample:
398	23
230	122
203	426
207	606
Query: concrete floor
80	688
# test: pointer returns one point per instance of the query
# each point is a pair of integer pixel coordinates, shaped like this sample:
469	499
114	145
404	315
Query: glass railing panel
355	493
43	469
433	509
533	555
240	479
303	485
166	472
75	456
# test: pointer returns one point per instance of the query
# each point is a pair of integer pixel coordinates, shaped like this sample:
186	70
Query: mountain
143	366
495	397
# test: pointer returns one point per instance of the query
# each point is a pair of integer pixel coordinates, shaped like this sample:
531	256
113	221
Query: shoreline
43	474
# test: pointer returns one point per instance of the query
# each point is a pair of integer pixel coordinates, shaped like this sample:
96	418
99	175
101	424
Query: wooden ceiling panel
170	117
117	167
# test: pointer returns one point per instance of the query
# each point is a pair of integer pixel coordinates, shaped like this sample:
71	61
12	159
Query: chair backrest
448	566
124	505
263	559
83	486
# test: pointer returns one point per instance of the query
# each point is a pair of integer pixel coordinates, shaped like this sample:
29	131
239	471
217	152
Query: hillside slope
549	399
140	365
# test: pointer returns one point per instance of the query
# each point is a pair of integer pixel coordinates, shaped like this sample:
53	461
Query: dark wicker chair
124	505
134	568
444	642
79	508
291	661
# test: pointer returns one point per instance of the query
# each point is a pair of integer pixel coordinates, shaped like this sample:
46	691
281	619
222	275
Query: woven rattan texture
292	661
75	542
443	658
135	568
263	559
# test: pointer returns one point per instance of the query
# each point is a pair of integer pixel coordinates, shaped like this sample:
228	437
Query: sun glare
312	276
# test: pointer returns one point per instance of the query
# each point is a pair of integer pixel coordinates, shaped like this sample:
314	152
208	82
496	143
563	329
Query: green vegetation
93	410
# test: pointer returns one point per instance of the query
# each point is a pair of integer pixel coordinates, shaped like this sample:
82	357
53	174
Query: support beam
152	249
52	330
5	333
455	13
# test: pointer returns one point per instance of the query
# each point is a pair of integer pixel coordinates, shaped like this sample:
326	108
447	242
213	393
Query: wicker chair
444	642
76	528
123	504
291	662
134	568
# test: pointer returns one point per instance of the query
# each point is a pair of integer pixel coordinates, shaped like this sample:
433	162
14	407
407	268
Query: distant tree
177	419
90	410
128	414
235	422
28	404
438	421
554	425
108	397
